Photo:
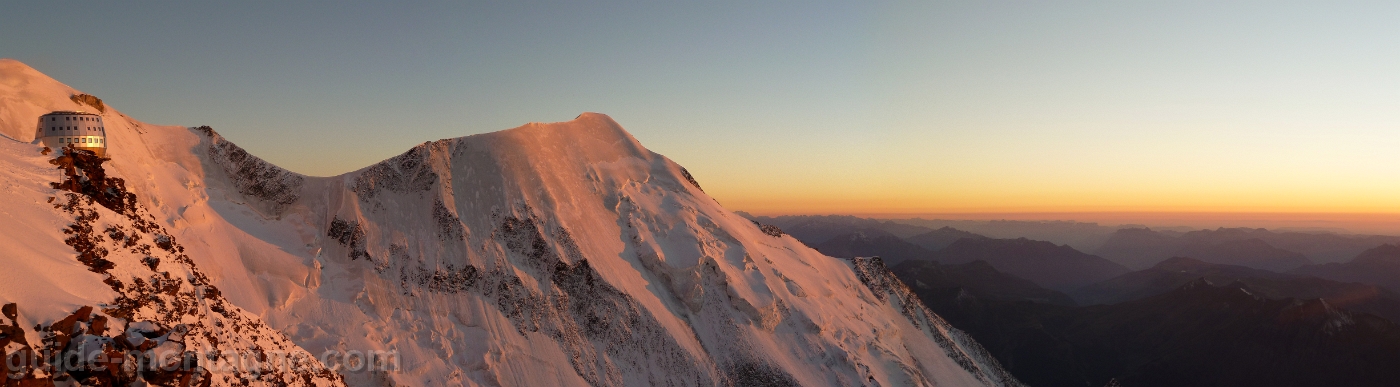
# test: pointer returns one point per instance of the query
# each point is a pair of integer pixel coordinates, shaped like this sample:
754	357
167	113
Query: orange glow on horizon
1355	215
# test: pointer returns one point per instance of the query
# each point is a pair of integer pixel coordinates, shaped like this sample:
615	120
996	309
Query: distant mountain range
1083	236
815	229
1176	272
873	243
1279	320
1141	248
1378	266
978	278
941	238
1246	252
1053	266
1198	334
1058	267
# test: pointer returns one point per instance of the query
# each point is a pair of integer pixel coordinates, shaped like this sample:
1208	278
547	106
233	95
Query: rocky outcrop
691	179
251	176
184	318
407	172
87	349
351	235
769	229
90	100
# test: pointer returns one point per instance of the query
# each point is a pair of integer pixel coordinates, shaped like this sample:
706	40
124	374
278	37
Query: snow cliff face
549	254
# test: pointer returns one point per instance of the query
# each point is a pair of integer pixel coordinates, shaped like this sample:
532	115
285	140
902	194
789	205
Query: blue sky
793	107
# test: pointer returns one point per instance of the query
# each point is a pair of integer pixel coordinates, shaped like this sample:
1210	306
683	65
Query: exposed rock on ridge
250	175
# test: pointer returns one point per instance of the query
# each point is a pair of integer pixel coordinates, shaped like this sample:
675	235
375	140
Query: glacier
551	254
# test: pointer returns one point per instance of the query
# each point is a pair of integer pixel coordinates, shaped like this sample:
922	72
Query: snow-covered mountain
549	254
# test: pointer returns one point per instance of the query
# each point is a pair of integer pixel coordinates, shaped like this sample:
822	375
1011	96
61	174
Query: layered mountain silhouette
1049	265
1175	272
1378	266
941	238
816	229
1084	236
873	243
1246	252
1198	334
1141	248
977	278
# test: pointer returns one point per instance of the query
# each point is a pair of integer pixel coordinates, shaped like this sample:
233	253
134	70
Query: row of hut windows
74	118
100	129
80	140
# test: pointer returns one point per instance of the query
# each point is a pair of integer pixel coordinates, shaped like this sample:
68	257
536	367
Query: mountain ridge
547	254
1175	272
1197	334
1378	266
1058	267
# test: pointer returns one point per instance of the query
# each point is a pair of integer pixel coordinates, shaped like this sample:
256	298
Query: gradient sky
794	107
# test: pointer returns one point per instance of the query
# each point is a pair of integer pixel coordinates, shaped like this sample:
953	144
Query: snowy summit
560	254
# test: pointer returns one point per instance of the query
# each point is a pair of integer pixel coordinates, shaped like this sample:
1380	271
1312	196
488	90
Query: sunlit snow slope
549	254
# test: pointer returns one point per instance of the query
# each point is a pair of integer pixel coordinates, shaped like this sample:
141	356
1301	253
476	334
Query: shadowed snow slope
549	254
